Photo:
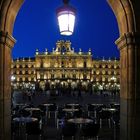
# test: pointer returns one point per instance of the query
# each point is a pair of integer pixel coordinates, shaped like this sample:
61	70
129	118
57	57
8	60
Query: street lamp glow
13	78
113	78
66	18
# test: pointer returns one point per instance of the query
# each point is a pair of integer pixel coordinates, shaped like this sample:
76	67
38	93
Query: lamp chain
66	1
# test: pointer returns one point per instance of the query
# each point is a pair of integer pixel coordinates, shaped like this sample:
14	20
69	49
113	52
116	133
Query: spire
103	59
89	51
80	51
53	50
46	51
36	51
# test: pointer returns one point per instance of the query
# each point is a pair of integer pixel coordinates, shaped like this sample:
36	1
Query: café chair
69	131
90	131
52	109
33	128
91	109
60	118
105	116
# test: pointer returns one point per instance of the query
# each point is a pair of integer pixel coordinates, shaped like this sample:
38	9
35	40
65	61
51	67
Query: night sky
36	27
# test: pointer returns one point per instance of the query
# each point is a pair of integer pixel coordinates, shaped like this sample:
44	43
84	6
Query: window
62	64
63	75
85	76
74	76
52	76
26	79
17	65
20	79
41	76
85	64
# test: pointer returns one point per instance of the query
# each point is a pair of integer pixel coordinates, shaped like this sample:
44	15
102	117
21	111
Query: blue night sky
36	27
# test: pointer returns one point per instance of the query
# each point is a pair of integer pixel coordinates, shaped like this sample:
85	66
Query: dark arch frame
128	18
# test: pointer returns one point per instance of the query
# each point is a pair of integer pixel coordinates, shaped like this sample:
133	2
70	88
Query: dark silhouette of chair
15	110
33	128
43	110
69	130
60	118
90	130
52	109
36	114
105	115
91	110
116	118
15	129
116	122
25	113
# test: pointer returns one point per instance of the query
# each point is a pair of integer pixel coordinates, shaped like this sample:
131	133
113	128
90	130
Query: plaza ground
50	132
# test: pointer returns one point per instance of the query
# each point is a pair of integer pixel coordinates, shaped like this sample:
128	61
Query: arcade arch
128	18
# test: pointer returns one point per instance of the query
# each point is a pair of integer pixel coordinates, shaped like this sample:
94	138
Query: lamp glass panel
66	23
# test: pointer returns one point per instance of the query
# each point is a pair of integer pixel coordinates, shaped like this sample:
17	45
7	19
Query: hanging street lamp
66	18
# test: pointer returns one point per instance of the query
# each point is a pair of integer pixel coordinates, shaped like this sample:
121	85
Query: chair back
69	129
90	130
25	113
52	108
105	114
116	118
33	128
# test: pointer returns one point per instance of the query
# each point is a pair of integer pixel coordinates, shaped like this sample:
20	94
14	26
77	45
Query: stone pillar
6	44
129	46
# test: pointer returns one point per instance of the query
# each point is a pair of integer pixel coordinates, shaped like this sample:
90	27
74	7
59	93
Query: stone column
129	46
6	44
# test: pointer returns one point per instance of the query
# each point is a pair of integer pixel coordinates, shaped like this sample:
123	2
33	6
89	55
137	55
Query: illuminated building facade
64	67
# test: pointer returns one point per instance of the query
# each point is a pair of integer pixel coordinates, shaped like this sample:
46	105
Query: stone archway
128	17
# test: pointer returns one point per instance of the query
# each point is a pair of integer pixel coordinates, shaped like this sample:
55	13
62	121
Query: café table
117	104
112	110
32	109
80	121
70	109
72	104
98	104
20	105
22	121
47	105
